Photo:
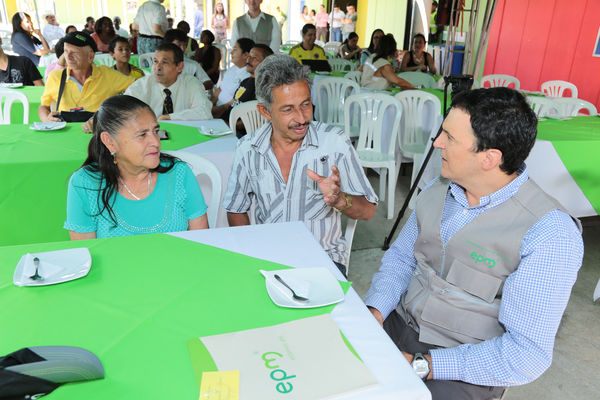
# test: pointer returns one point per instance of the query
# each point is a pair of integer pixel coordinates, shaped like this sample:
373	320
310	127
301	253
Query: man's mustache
299	125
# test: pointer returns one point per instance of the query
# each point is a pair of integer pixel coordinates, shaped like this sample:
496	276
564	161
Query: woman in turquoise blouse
126	186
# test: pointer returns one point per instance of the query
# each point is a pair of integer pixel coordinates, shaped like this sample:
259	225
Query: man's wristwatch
420	365
348	203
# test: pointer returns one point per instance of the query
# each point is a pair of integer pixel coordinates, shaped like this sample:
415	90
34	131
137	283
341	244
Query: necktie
168	103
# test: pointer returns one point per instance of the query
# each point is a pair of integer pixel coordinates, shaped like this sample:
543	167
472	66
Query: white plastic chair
146	60
500	80
249	115
543	107
320	43
227	44
7	98
570	107
332	47
339	64
203	166
354	75
332	93
557	88
291	42
376	148
433	165
417	78
104	59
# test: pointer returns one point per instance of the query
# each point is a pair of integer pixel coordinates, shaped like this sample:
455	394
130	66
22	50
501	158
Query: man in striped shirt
295	169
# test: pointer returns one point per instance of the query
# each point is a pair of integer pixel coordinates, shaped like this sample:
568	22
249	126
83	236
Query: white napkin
45	268
300	286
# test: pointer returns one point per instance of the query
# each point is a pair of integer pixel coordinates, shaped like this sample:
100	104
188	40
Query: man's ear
263	111
492	158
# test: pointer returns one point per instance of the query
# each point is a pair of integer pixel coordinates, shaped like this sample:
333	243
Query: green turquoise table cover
577	142
34	95
143	298
35	168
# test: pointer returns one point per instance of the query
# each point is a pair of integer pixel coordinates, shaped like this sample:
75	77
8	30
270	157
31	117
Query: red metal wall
542	40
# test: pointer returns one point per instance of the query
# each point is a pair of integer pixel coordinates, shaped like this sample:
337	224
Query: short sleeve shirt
256	178
20	70
150	13
299	53
24	46
175	199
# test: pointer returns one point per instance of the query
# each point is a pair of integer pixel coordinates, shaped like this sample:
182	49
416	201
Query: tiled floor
574	371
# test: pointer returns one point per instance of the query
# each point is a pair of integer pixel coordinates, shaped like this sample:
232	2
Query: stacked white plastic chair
354	75
421	117
419	79
376	147
332	93
572	107
203	166
558	88
339	64
500	80
332	47
7	98
249	115
543	107
104	59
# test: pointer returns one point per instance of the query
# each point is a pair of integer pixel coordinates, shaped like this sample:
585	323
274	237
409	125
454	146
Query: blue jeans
336	34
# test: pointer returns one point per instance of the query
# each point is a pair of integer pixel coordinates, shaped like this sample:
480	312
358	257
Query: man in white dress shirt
256	25
171	94
151	22
236	73
52	31
119	29
190	67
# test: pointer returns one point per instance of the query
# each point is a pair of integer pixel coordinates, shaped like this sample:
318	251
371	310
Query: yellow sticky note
220	385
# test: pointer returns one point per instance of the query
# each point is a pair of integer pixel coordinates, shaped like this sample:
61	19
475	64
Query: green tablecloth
577	142
439	93
34	94
336	74
135	60
144	297
35	168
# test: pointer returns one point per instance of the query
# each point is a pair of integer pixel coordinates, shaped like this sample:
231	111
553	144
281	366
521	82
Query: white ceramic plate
11	85
47	126
317	284
214	132
55	267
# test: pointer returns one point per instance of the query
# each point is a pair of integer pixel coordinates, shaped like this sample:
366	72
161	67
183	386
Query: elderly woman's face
137	144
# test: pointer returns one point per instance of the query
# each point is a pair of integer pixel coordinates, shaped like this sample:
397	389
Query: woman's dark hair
387	47
59	47
69	27
245	44
501	119
99	22
351	36
306	28
371	45
16	24
112	115
421	36
209	35
184	26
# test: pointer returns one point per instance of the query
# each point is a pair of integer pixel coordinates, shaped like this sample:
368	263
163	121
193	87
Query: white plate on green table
54	267
317	284
11	85
47	126
214	132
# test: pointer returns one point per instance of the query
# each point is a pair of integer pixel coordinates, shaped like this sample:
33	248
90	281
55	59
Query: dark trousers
322	34
407	339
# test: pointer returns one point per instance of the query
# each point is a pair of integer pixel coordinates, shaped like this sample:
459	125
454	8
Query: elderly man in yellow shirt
86	85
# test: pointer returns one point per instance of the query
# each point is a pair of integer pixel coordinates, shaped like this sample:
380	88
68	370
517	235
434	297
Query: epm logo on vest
479	258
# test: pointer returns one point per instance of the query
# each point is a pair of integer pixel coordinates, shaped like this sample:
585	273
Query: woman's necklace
130	192
417	60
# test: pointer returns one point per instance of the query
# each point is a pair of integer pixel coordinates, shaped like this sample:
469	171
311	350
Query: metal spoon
36	276
294	295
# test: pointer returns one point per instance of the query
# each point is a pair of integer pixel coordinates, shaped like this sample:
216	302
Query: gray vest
262	34
455	293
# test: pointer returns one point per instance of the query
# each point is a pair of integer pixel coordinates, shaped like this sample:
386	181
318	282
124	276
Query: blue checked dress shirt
533	300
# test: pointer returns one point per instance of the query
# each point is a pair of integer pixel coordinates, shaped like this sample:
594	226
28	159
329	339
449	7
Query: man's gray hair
275	71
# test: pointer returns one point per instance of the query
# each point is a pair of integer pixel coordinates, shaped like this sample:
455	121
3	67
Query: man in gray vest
256	25
474	288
